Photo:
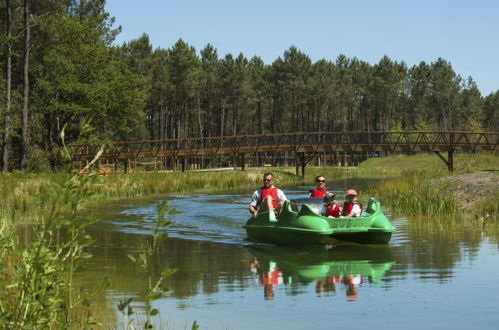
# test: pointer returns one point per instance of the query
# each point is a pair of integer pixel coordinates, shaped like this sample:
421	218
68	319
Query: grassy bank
23	196
418	185
421	186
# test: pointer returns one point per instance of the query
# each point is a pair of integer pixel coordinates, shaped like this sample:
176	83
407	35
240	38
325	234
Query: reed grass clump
415	196
420	185
36	279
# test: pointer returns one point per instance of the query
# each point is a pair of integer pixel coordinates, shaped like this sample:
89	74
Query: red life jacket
333	211
348	206
272	192
318	193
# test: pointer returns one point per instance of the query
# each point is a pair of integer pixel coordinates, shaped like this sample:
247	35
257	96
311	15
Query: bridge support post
243	165
234	161
297	171
303	164
449	161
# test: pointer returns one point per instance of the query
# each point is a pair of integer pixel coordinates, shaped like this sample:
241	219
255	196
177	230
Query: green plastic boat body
307	227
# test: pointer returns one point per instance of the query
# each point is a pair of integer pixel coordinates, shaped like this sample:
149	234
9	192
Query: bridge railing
414	141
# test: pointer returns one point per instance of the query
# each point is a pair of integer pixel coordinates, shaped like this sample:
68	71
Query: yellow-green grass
420	185
430	163
404	185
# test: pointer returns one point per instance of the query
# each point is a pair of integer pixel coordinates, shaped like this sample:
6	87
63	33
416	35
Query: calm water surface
425	279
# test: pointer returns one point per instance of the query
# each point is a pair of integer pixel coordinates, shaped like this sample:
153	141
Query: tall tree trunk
222	118
8	82
24	111
200	123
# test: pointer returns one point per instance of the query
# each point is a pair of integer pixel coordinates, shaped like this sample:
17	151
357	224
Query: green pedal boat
301	223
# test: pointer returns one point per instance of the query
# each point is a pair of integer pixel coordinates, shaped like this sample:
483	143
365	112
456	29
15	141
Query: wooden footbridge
304	146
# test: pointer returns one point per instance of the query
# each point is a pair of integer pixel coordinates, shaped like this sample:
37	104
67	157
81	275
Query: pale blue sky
466	33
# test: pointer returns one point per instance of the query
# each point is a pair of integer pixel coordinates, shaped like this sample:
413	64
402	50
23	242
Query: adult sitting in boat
333	209
271	197
321	190
351	208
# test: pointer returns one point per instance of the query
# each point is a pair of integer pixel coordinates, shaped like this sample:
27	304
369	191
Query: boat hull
364	238
286	236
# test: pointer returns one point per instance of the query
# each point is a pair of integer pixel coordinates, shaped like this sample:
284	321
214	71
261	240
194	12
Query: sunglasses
320	180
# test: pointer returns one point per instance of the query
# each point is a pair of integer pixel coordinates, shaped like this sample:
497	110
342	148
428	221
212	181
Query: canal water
428	277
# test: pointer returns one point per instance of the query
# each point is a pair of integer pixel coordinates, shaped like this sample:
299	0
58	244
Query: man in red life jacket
321	190
273	198
333	209
351	208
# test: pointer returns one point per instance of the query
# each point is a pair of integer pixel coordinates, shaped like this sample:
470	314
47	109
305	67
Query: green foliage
491	105
37	281
419	185
143	259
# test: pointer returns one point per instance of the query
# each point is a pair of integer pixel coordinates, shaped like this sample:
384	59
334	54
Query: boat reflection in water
340	268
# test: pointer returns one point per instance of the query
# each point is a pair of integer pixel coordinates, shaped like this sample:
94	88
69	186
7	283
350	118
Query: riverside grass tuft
421	186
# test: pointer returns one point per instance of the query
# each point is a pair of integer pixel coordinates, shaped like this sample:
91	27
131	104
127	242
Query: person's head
329	198
351	195
268	179
320	181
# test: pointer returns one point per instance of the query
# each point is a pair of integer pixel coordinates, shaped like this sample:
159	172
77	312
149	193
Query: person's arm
254	202
253	211
355	212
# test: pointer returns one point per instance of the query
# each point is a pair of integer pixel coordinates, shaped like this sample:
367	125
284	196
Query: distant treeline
61	70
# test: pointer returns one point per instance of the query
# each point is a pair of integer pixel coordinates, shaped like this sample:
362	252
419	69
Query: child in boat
333	209
351	208
320	190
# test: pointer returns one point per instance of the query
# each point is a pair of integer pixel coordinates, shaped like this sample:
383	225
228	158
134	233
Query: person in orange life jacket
321	190
270	197
351	208
333	209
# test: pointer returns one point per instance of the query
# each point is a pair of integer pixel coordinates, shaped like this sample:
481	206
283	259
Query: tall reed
36	282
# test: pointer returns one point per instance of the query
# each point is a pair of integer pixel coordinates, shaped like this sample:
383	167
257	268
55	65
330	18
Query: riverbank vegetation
417	184
62	68
421	186
37	289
